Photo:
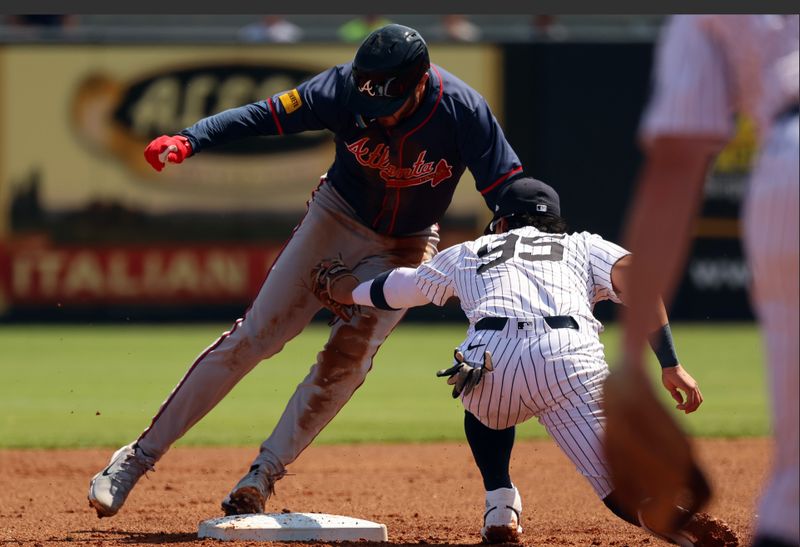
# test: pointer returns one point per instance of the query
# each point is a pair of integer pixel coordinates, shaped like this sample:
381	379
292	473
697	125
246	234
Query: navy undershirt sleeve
236	123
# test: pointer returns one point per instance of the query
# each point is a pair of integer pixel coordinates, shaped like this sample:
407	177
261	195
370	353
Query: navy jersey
399	180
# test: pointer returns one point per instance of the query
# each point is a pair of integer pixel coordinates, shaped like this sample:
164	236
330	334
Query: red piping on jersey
236	324
403	141
396	208
380	213
500	180
275	117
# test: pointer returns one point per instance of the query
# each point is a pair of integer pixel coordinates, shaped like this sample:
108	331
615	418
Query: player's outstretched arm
680	384
334	283
284	113
227	126
312	105
402	288
392	290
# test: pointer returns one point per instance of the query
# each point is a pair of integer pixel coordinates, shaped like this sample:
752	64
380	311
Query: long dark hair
544	223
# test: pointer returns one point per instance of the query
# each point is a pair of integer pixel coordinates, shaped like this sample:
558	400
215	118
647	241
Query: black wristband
664	347
376	292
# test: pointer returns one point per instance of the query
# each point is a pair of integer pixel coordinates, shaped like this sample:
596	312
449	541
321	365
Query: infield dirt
425	494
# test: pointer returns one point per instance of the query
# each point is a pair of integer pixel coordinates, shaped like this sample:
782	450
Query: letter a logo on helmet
387	67
367	88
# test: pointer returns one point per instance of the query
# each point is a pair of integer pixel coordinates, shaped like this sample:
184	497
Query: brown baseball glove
327	273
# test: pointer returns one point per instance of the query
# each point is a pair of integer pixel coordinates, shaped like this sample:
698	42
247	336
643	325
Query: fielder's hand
167	149
325	277
676	379
464	376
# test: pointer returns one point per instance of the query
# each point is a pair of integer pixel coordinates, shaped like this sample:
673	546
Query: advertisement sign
153	276
74	121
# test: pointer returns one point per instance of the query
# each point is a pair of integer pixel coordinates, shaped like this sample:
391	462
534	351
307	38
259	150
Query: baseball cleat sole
501	534
245	501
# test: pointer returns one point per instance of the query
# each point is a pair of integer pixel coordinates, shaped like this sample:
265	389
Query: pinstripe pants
557	377
771	229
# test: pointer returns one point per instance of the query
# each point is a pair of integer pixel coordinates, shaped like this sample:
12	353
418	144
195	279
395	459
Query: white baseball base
292	527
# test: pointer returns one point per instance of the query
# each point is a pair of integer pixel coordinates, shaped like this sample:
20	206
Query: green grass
69	386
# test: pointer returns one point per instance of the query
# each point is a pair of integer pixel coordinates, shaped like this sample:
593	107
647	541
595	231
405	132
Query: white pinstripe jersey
710	66
524	273
554	374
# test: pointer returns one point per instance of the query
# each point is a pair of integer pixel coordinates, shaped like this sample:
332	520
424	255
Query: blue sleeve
488	155
312	105
237	123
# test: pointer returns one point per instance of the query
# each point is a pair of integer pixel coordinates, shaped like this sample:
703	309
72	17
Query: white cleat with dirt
109	489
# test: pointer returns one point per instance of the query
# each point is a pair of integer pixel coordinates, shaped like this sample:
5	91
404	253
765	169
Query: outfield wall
87	227
573	111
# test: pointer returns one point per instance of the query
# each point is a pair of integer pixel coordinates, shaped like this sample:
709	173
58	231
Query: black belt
553	321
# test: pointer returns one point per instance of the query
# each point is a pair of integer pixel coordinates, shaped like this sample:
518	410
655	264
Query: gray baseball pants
282	309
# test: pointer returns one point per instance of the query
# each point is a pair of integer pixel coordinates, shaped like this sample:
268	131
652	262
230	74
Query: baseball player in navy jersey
707	68
532	347
405	131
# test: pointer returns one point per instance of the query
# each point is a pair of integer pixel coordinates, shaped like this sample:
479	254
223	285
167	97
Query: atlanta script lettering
420	172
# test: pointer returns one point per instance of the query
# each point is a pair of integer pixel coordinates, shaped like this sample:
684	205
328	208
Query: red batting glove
178	148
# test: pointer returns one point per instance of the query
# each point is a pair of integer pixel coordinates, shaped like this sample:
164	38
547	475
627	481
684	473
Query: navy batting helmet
387	67
525	195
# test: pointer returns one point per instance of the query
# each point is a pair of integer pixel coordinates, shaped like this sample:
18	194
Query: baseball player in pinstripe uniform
405	131
532	347
707	68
